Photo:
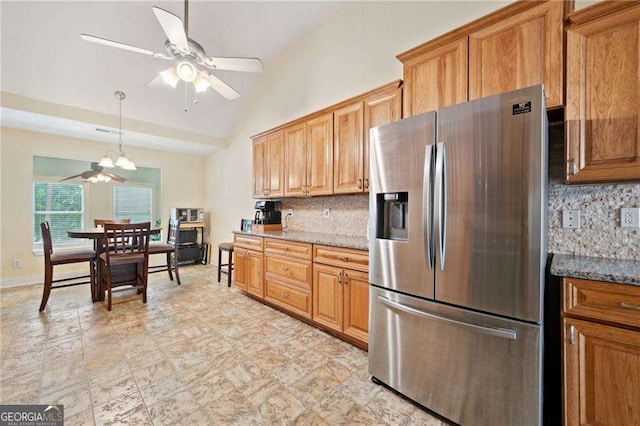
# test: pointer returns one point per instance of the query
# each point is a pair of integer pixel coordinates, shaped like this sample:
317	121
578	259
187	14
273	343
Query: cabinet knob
343	258
340	278
284	294
284	267
345	278
359	183
366	183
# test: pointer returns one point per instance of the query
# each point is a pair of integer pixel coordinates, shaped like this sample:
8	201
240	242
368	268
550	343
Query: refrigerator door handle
497	332
427	209
441	200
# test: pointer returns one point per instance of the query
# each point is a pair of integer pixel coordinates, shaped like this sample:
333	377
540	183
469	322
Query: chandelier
122	160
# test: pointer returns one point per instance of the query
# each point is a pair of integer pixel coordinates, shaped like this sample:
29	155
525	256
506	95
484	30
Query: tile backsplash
599	235
348	214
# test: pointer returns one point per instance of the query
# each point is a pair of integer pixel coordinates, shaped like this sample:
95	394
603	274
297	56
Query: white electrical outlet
290	212
571	219
630	218
326	213
17	263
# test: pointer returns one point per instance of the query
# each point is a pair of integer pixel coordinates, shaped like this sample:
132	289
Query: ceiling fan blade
234	64
114	177
156	81
220	86
89	173
173	28
119	45
70	177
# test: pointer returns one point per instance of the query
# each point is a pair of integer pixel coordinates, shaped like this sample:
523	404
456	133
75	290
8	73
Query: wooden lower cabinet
341	300
601	361
288	297
248	275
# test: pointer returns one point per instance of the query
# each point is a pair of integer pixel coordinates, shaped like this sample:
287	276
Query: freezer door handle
497	332
427	205
441	199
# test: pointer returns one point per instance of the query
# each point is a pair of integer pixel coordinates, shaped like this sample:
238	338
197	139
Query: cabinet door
602	374
241	269
320	155
295	164
356	304
327	296
254	273
379	110
436	78
274	164
348	167
603	98
259	181
520	51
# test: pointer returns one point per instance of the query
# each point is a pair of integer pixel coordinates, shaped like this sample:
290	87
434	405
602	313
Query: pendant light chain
120	126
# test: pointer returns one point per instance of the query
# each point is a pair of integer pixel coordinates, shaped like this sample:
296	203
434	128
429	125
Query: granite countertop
346	241
597	269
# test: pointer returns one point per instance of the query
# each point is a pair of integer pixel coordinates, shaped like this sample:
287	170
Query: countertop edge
334	240
617	271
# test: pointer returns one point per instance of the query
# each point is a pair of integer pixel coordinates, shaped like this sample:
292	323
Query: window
60	204
134	202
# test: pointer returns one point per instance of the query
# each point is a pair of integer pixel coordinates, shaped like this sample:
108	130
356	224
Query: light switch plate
630	217
571	219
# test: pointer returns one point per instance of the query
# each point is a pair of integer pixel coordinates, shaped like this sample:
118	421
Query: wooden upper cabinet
602	116
435	77
274	164
268	165
378	110
295	164
259	178
521	50
319	141
348	171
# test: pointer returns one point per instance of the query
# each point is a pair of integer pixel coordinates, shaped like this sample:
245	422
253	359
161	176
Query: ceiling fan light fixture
186	71
200	84
107	178
170	77
122	160
106	162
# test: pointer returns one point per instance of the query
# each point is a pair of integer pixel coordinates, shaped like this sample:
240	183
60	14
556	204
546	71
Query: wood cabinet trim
597	11
301	120
465	30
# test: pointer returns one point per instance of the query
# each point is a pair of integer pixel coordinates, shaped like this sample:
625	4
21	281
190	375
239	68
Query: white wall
182	185
350	53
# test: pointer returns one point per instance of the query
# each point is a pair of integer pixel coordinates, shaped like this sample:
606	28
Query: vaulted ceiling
54	81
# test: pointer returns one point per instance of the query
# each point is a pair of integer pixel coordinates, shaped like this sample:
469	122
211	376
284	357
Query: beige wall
182	185
350	53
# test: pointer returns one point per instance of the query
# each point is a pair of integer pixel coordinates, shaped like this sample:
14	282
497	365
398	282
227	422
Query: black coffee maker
266	213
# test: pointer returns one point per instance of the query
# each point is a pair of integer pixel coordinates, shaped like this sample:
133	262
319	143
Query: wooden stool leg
219	263
229	267
174	257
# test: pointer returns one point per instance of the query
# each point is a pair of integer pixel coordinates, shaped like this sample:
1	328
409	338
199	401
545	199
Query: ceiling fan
190	58
96	174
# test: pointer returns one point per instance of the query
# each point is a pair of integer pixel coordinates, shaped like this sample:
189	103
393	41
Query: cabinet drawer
344	258
248	241
295	300
291	271
288	248
616	303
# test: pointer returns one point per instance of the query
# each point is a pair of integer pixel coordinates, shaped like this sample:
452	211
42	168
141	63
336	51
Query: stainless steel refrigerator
457	247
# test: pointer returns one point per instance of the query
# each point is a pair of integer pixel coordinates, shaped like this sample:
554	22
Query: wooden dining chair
66	257
170	248
99	223
119	255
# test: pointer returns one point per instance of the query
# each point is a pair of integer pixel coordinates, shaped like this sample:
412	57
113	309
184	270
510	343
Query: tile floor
196	354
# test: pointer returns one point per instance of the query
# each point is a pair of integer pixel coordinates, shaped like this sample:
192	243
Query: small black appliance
266	213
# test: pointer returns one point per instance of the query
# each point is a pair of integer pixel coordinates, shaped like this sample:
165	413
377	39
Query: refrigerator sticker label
521	108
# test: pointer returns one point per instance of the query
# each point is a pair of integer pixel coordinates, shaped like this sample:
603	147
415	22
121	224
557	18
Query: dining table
97	235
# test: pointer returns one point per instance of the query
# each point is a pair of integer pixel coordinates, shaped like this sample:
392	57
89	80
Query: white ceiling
44	58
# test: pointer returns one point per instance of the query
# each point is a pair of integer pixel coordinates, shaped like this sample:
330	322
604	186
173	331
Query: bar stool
228	247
